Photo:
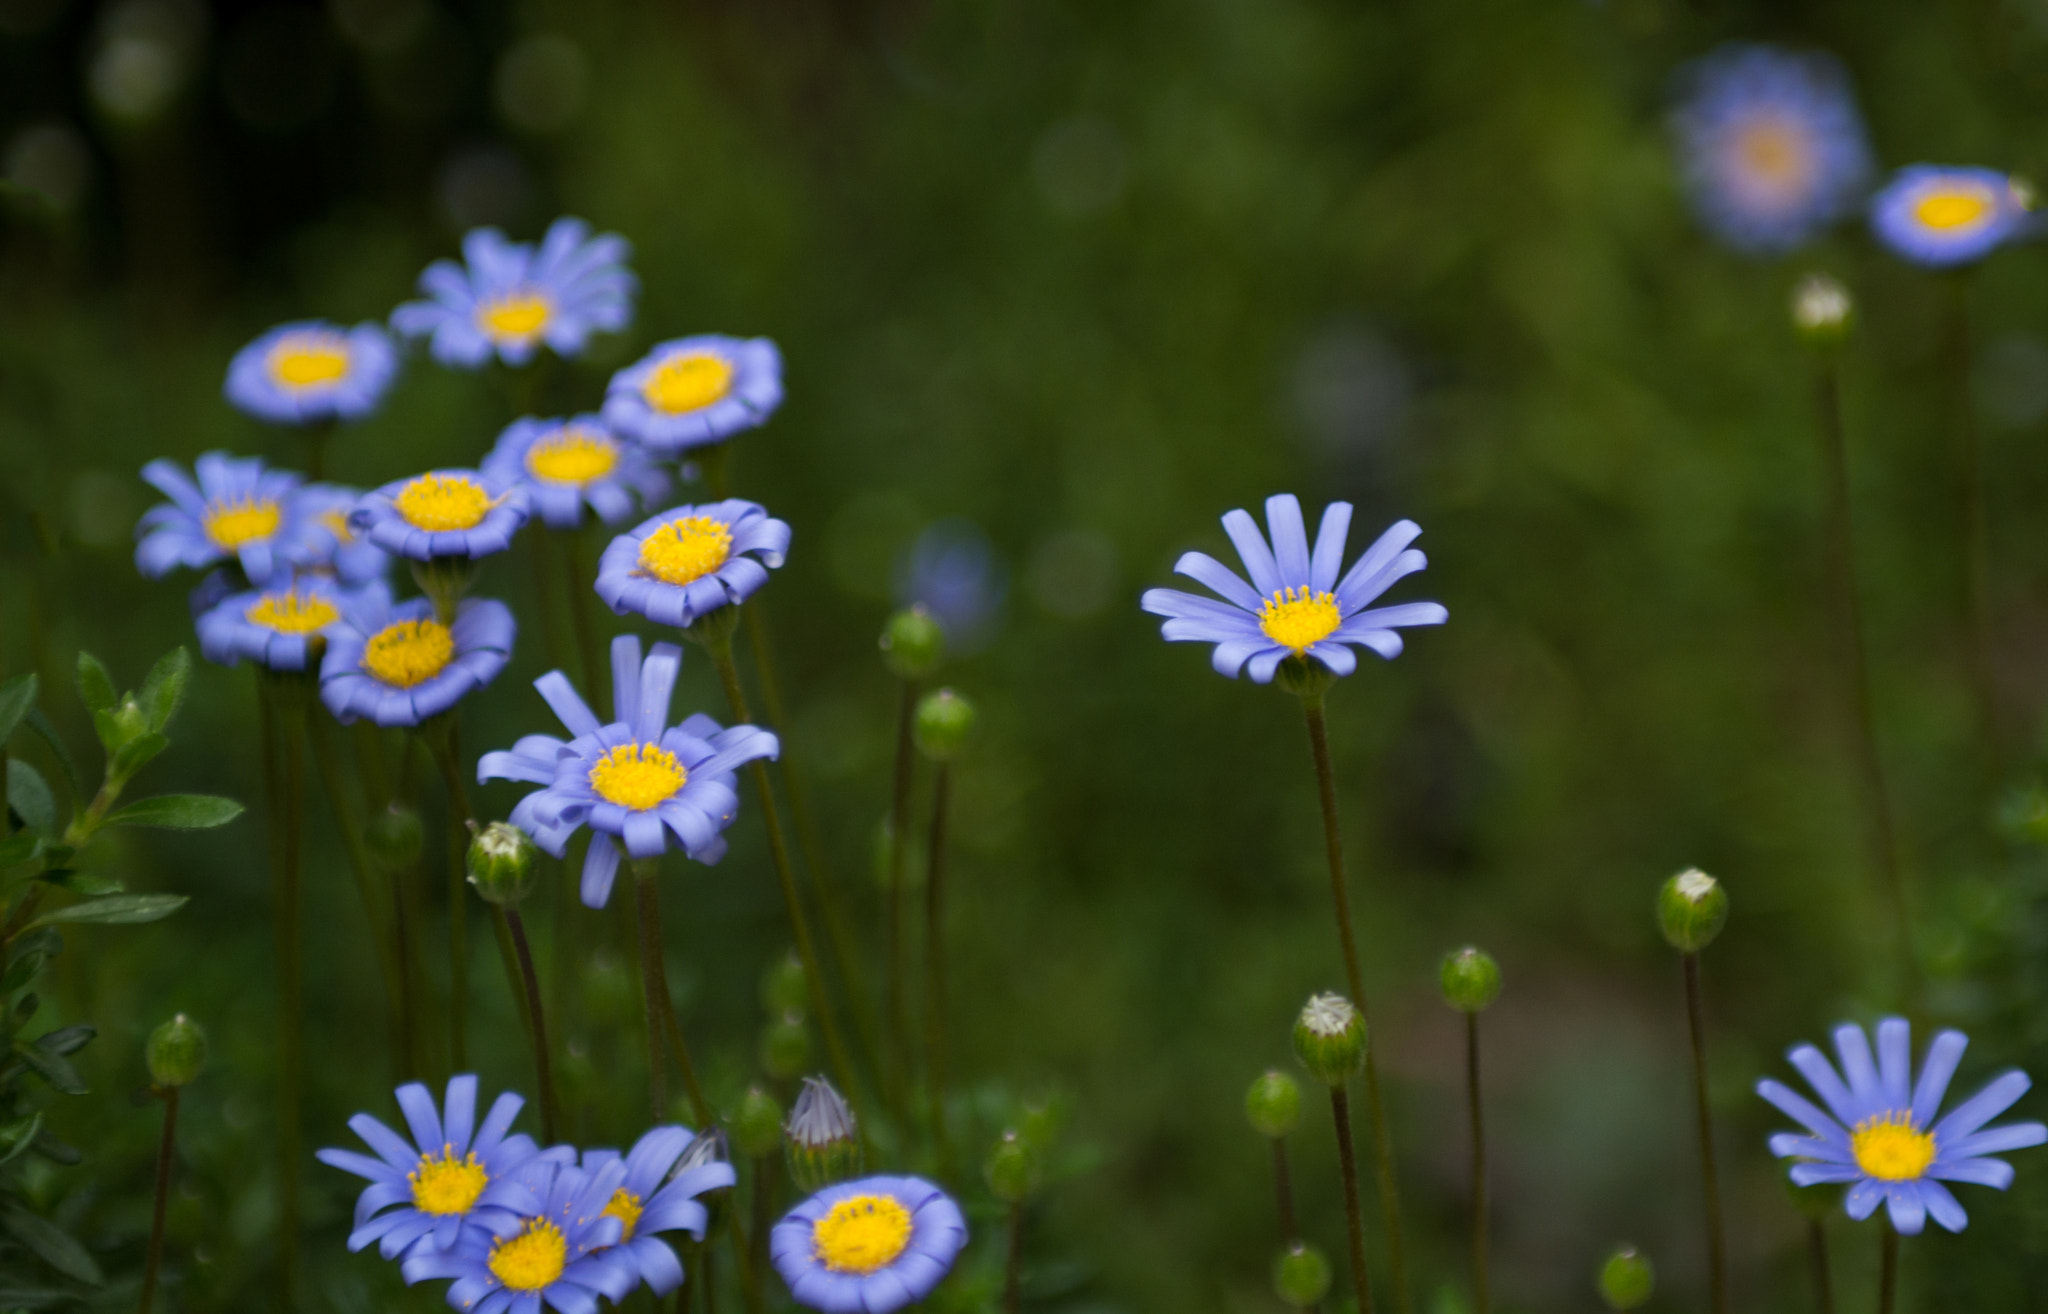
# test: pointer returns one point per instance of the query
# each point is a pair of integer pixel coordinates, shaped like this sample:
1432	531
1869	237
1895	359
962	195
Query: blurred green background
1057	285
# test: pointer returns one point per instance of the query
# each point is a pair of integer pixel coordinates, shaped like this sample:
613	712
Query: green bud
394	837
176	1052
129	721
1273	1105
821	1138
1823	313
1691	909
757	1123
1329	1038
1471	979
944	724
1011	1169
501	864
1301	1276
785	1046
913	645
1626	1279
783	988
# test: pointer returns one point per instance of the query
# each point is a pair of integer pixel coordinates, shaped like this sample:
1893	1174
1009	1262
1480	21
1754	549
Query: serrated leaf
36	721
61	1076
48	1242
165	687
17	696
119	909
66	1040
95	686
132	756
29	795
177	812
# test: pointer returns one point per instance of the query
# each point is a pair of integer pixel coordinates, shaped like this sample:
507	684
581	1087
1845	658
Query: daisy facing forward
691	560
868	1246
1943	217
1879	1134
311	372
283	626
563	1254
399	665
568	464
691	392
237	510
508	299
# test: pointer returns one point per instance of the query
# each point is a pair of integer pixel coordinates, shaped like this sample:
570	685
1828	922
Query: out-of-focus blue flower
398	665
952	572
637	779
692	392
565	464
1938	216
237	511
282	626
331	547
310	371
443	513
648	1201
1773	149
1879	1134
452	1178
868	1246
690	560
507	299
564	1254
1296	605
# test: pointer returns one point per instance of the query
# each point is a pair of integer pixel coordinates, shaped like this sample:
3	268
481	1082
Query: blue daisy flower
690	560
563	1254
691	392
509	299
1879	1134
282	626
452	1178
868	1246
650	1201
398	665
1773	148
1296	605
312	371
566	464
637	779
237	511
443	513
332	547
1942	217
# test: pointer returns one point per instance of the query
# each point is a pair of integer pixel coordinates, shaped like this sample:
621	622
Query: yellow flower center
293	612
861	1234
625	1206
572	456
336	523
638	776
231	524
514	317
687	381
443	502
1773	152
447	1185
532	1260
1955	205
305	360
1297	618
685	550
404	653
1891	1148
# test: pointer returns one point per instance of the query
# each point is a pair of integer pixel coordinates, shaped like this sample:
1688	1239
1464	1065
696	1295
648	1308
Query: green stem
935	968
597	676
550	1106
1975	531
897	1063
1354	1215
381	941
439	734
661	1017
1013	1263
710	1286
1817	1253
764	1217
1888	1269
317	435
1710	1180
165	1152
1283	1193
1481	1299
538	550
508	957
284	771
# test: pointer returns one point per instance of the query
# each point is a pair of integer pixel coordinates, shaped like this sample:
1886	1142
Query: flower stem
1354	1217
1710	1181
661	1016
440	736
283	702
597	676
1013	1263
381	941
763	1213
166	1151
1975	532
550	1107
1888	1269
501	931
935	967
1482	1300
1817	1252
538	552
894	1071
317	434
1283	1193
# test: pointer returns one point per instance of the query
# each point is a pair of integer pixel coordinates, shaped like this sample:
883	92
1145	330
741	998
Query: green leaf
14	1297
86	884
132	756
25	957
18	1137
95	686
56	1151
18	849
66	1040
165	687
48	1242
29	795
36	721
17	696
119	909
177	812
62	1077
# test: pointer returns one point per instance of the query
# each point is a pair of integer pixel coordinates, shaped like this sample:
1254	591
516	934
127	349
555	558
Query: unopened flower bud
945	722
820	1138
1691	909
757	1123
1626	1279
501	863
707	1148
913	645
1329	1038
1011	1169
1471	979
1822	311
393	838
176	1052
128	721
1301	1276
1273	1105
783	987
785	1046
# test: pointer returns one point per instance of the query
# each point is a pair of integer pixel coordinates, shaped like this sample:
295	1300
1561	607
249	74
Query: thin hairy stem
896	1067
1482	1300
935	967
381	941
1710	1179
166	1152
1354	1216
550	1106
1283	1193
661	1017
1013	1263
441	743
284	712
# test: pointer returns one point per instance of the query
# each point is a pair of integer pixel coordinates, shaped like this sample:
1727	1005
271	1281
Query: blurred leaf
132	756
61	1076
53	1246
177	812
67	1040
36	721
26	1009
95	686
86	884
20	1136
54	1150
165	688
17	696
26	955
18	849
29	1298
29	794
121	909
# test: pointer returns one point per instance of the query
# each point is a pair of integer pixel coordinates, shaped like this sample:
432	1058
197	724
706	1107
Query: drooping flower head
690	560
566	464
1880	1134
451	1179
312	371
443	513
637	779
650	1201
563	1254
868	1246
399	665
1943	217
237	511
331	546
508	299
282	626
1296	604
691	392
1773	149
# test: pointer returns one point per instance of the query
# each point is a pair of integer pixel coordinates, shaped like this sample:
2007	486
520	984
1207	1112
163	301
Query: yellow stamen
1773	152
685	550
305	360
231	524
861	1234
1891	1149
572	456
1955	205
404	653
534	1259
447	1185
443	502
515	317
625	1206
638	776
293	612
687	381
1298	618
